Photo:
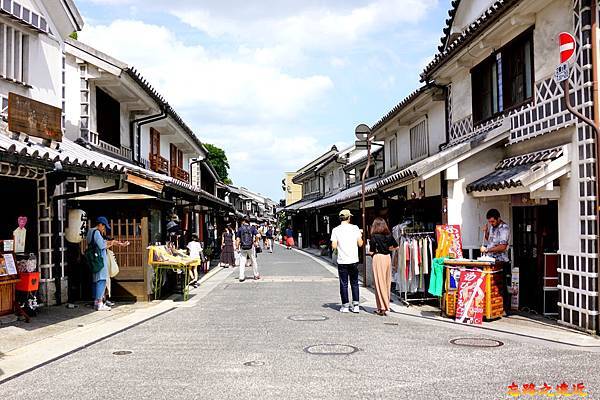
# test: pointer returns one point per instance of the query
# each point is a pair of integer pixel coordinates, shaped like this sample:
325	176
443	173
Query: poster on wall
449	241
471	297
7	265
514	289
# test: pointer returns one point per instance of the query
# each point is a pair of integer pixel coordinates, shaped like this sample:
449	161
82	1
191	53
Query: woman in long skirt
227	252
382	246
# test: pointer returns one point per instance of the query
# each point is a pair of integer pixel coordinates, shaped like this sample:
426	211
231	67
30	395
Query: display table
160	260
494	303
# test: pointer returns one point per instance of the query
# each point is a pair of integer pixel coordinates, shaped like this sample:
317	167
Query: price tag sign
561	73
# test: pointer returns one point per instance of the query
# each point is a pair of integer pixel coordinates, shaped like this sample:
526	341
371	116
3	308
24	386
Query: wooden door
180	159
154	141
173	153
132	280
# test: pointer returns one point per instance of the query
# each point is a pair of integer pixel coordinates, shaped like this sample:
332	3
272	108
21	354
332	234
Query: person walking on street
346	238
289	238
246	239
269	238
227	251
382	245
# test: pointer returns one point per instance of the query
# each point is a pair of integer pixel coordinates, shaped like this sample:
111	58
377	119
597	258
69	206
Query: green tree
218	159
73	35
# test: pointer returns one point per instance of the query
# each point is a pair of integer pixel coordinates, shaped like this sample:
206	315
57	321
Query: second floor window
394	152
108	118
504	80
14	54
419	142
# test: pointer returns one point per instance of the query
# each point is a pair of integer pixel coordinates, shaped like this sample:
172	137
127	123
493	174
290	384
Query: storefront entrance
535	241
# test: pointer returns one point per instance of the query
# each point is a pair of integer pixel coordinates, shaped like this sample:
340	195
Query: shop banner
471	297
449	241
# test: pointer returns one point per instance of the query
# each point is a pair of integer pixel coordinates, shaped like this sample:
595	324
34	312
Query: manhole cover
308	317
122	352
254	364
331	349
476	342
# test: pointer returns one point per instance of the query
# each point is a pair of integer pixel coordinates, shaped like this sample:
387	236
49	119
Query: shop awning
527	173
114	196
299	204
439	162
350	194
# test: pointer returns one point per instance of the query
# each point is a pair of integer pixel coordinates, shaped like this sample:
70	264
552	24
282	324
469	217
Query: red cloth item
289	241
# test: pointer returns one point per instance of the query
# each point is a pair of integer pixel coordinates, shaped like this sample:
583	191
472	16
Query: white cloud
189	75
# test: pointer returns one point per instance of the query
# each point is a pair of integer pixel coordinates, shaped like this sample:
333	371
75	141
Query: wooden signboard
34	118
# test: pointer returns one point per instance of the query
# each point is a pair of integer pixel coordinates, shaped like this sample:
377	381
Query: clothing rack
403	295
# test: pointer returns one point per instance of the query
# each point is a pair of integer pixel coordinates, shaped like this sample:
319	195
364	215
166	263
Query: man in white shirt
346	239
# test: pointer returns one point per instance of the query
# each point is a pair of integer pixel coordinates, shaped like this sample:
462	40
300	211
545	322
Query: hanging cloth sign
471	296
449	241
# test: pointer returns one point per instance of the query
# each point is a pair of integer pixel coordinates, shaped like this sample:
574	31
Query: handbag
258	249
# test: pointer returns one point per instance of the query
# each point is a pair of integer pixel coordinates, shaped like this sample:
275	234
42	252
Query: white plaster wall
437	126
73	99
124	124
404	146
550	21
461	96
468	211
145	141
468	12
568	206
45	69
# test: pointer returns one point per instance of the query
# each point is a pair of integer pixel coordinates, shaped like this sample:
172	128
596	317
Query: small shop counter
161	260
493	304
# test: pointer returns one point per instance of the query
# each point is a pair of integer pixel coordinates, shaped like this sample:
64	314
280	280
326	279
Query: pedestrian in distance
269	238
382	244
227	251
195	250
289	238
97	237
247	238
346	238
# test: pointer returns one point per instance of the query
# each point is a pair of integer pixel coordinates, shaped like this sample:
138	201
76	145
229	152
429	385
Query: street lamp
362	133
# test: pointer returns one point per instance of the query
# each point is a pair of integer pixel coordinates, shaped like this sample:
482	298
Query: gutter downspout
138	128
591	123
596	103
56	248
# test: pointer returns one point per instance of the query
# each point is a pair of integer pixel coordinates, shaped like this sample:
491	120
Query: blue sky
273	82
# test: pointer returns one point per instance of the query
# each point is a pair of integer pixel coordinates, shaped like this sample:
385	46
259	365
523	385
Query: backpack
93	256
246	238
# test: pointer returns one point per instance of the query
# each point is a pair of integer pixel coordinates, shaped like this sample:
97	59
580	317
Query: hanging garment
436	280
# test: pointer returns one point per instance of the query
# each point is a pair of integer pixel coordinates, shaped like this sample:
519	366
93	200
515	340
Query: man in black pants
346	239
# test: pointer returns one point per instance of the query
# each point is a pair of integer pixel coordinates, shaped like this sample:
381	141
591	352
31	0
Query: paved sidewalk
519	325
59	330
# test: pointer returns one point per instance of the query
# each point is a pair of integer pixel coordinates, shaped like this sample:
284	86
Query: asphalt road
249	341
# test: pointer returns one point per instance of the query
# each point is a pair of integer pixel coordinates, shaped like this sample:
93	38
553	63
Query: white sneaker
345	309
356	308
103	307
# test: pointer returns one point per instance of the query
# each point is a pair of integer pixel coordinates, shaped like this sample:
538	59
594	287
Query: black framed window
503	80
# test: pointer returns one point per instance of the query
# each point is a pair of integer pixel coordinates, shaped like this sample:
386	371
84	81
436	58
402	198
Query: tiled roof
508	172
352	193
495	11
297	205
399	107
160	100
67	152
451	14
82	156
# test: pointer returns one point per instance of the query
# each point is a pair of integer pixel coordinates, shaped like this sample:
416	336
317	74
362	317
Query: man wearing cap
346	239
